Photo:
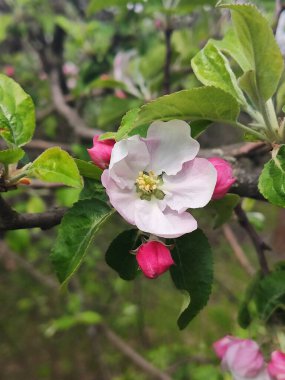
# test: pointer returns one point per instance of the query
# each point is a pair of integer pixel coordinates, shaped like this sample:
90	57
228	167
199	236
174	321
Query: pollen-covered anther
147	183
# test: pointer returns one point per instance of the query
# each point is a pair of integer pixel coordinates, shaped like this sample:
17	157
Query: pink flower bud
225	177
276	366
120	94
101	151
154	259
242	357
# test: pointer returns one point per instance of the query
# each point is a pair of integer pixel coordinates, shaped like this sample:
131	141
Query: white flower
152	181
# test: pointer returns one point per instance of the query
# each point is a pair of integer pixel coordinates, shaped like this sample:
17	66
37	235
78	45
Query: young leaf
270	294
75	235
126	124
119	256
56	165
192	272
11	156
272	179
204	103
87	169
213	69
258	46
17	113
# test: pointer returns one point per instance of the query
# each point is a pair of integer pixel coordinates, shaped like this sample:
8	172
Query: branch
11	220
259	244
237	249
136	358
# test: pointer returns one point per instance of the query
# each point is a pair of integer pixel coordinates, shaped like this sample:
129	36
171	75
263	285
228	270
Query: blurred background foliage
111	57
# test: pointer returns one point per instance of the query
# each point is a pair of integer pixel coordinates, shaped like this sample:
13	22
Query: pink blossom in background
276	366
225	177
154	258
101	151
242	358
120	94
9	70
153	181
70	69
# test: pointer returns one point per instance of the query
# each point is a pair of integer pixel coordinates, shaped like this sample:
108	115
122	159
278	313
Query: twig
47	281
42	145
74	120
136	358
259	244
237	249
166	81
11	220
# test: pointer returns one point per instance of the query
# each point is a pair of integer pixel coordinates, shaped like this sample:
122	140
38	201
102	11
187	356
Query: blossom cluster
153	182
244	360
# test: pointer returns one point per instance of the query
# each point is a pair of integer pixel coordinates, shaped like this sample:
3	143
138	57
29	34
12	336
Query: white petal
123	200
170	145
192	187
168	223
128	158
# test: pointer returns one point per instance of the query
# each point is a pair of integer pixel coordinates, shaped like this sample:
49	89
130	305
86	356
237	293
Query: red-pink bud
120	94
154	258
101	151
9	70
225	177
276	366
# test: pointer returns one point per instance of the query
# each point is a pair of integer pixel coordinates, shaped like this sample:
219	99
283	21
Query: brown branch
6	253
136	358
77	124
11	220
237	249
166	81
259	244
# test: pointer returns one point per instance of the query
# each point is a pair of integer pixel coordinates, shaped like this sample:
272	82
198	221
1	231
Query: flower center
147	184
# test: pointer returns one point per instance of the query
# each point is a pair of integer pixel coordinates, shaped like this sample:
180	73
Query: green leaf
11	156
93	189
56	165
212	69
204	103
76	233
272	179
87	169
244	316
223	208
258	46
198	127
17	113
231	46
270	294
192	272
119	256
248	83
127	123
98	5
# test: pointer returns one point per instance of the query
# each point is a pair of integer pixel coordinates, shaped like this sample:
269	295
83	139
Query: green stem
270	118
253	132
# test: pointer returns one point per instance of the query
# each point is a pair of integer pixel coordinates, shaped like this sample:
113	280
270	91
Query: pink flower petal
192	187
129	157
170	145
168	223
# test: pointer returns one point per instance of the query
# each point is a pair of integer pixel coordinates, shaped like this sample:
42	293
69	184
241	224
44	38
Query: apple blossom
152	181
154	258
225	177
276	366
101	151
241	357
